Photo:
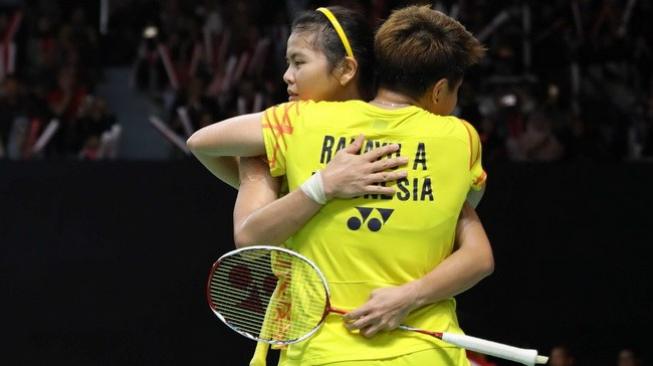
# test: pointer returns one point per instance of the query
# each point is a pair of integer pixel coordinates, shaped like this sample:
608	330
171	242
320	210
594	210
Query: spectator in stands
12	107
94	121
537	142
628	357
561	355
195	104
66	101
42	50
86	41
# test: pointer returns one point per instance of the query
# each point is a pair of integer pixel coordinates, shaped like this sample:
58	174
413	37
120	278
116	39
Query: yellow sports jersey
376	241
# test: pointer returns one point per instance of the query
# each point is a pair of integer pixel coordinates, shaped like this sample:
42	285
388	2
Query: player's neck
390	99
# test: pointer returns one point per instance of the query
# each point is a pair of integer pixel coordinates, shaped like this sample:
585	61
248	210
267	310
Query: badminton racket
278	296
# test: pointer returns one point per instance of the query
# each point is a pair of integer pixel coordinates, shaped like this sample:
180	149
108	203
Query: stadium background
107	233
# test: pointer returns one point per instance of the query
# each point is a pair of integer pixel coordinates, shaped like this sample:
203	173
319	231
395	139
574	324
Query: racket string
273	297
241	315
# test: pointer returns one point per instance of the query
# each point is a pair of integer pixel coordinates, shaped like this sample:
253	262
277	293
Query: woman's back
376	241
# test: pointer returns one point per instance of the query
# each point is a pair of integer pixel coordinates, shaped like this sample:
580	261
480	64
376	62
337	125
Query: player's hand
349	175
384	310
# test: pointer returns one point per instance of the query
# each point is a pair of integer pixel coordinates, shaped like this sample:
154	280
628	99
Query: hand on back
349	174
385	309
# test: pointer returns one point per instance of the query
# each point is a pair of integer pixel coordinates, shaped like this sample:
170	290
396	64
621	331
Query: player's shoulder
320	113
335	106
311	106
469	127
448	126
467	124
455	121
293	106
288	113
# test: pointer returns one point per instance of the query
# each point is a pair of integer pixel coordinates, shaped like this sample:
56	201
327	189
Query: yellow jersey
376	241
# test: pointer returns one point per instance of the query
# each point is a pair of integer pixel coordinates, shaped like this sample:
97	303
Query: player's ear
439	90
347	70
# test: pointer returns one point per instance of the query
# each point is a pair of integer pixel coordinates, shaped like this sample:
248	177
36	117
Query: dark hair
360	36
417	46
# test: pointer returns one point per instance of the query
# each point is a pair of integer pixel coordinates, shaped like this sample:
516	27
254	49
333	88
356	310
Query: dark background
105	263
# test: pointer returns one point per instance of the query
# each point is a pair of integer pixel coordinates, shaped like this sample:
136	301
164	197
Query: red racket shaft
329	309
521	355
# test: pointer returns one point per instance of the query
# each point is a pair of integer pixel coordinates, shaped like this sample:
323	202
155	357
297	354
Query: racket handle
521	355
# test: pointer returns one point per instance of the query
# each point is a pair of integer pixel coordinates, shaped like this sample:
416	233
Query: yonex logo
373	224
250	287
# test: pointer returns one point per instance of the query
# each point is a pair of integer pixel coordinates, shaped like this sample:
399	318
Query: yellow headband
339	30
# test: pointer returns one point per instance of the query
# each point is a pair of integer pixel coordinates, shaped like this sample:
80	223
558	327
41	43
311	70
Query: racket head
268	293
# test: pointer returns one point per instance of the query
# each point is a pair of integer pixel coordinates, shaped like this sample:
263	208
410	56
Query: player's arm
466	266
261	218
478	175
258	189
474	196
224	168
217	145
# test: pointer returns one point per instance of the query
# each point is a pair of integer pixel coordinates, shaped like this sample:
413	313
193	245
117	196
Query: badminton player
388	246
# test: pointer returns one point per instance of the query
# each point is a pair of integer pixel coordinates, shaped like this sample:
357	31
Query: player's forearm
217	144
277	221
224	168
463	269
260	217
237	136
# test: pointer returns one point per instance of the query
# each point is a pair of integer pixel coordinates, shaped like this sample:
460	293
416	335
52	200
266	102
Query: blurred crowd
564	355
48	72
563	80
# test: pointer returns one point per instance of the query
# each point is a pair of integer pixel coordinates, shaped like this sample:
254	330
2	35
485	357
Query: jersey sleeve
278	124
479	177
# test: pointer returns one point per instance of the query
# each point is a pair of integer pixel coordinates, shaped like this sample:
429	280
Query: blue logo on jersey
373	224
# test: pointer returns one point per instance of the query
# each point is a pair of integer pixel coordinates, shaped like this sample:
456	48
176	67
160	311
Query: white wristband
313	187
